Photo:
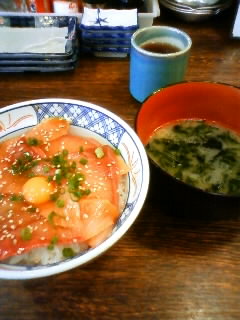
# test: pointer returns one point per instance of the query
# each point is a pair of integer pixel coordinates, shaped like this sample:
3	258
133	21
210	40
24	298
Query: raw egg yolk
37	190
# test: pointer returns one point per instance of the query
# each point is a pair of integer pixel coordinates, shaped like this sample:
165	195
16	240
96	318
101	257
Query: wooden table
164	267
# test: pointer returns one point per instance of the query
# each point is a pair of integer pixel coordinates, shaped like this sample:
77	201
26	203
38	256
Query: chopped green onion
50	178
26	234
74	182
73	165
68	253
51	216
60	203
75	196
16	197
81	149
59	160
87	192
31	175
46	169
54	196
33	142
58	177
23	163
65	153
99	153
52	243
83	161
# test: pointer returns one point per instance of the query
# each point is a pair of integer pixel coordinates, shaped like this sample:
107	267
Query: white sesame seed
20	250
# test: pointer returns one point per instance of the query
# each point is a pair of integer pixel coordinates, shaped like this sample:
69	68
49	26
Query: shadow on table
164	223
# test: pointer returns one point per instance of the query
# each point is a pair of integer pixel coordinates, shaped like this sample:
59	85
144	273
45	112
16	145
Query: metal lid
191	6
193	13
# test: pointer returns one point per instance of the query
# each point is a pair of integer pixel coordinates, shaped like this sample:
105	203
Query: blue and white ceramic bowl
95	121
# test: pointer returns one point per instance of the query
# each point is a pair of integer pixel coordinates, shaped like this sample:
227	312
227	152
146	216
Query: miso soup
200	154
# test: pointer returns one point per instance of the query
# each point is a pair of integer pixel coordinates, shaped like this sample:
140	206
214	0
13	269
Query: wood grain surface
165	267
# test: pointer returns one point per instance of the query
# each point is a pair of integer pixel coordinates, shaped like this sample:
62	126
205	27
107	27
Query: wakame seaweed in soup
200	154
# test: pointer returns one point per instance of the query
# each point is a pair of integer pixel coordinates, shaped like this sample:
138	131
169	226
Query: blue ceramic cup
150	67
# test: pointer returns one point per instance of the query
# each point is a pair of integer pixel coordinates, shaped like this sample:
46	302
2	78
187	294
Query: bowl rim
159	55
180	182
182	82
10	272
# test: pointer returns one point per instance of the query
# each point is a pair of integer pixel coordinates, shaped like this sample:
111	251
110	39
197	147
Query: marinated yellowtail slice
49	130
57	188
21	154
23	230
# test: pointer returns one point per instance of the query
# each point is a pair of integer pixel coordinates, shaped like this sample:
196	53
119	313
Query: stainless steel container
196	10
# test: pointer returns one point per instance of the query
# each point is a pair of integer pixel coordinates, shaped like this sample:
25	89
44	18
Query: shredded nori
193	150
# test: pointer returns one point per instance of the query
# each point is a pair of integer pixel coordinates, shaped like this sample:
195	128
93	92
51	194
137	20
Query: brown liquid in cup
160	47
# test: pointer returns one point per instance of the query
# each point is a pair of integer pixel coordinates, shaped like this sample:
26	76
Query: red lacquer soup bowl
213	102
